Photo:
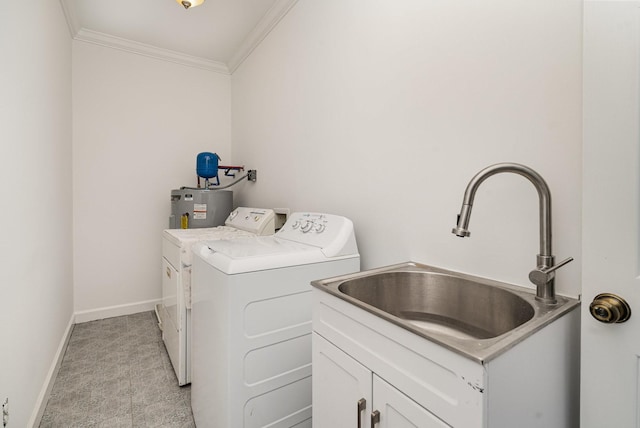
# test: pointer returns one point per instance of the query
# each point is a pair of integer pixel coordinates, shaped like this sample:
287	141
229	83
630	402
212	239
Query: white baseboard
45	392
115	311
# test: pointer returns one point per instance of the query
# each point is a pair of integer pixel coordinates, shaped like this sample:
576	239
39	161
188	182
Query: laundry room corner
138	123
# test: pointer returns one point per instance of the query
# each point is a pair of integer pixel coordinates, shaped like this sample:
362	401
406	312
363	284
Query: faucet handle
559	265
540	276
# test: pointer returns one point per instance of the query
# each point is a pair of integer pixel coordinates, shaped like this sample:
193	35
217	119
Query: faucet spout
545	290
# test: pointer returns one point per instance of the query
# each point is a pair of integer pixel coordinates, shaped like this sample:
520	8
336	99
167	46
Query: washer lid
258	253
185	237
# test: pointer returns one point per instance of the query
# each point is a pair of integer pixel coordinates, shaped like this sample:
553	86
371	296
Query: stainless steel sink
442	303
476	317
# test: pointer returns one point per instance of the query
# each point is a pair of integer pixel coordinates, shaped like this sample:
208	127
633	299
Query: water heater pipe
250	175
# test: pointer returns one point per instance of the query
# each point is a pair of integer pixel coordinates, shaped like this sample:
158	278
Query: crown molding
72	19
138	48
273	16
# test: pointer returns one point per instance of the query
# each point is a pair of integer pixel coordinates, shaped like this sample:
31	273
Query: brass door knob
609	308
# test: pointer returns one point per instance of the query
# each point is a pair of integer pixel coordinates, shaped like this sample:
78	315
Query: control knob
307	226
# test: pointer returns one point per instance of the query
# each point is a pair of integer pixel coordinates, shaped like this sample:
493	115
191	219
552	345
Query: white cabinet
347	394
396	410
413	382
339	384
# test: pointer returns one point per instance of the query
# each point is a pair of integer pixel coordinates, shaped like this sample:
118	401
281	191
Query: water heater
196	208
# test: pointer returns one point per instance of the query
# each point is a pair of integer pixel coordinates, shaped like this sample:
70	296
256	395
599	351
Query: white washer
252	321
175	311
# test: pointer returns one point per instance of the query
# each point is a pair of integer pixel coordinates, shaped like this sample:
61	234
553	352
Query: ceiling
217	35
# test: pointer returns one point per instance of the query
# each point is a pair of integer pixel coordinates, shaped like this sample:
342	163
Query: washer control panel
260	221
332	233
311	223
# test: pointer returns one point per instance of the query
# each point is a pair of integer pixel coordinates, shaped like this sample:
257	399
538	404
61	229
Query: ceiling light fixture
190	3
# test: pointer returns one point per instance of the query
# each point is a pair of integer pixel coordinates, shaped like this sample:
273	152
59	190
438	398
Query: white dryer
175	311
252	321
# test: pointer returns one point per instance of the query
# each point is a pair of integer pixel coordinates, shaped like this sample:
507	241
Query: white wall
138	124
383	110
36	293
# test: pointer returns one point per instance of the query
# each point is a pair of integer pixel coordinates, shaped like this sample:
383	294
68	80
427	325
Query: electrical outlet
5	412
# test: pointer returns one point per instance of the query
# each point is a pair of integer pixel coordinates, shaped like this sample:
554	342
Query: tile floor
116	373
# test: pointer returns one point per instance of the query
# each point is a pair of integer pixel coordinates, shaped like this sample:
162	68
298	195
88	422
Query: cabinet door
339	385
396	410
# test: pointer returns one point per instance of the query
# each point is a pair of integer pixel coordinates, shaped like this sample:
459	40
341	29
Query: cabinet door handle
375	418
362	404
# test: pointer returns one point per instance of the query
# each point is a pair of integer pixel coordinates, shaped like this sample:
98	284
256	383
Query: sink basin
442	303
477	317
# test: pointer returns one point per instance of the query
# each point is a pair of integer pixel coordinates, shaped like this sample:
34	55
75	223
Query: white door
341	388
393	409
610	379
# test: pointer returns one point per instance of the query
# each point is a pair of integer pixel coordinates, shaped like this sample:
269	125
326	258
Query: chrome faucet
543	275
